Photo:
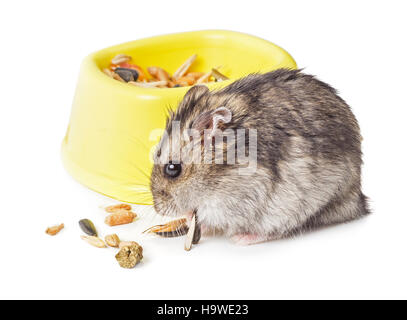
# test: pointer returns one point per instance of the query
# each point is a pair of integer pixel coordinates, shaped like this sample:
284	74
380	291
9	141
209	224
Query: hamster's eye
172	170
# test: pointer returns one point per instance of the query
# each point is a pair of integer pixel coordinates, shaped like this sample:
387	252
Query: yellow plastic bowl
111	132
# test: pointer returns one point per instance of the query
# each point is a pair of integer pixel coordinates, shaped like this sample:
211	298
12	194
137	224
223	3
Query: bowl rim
91	64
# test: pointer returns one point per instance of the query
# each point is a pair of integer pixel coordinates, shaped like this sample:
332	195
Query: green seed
88	227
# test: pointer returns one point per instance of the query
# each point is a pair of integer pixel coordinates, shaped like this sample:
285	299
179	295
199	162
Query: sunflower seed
127	74
168	227
190	235
117	77
180	231
88	227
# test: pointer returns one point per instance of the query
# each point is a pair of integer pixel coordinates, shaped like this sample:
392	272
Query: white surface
357	46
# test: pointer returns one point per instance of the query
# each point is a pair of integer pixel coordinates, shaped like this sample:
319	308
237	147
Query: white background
357	46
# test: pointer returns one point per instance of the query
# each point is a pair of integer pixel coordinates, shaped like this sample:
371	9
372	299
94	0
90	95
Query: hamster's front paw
245	239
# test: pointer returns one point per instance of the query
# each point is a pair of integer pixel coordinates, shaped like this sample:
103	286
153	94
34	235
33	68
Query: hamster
307	153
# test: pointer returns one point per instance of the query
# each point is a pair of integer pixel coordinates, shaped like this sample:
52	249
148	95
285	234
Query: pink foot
248	239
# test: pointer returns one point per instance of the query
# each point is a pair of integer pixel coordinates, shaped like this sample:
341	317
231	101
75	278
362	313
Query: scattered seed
171	226
94	241
120	217
181	231
194	233
88	227
54	230
129	256
112	240
121	206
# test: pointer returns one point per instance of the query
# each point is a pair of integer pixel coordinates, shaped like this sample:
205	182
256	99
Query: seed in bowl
127	74
122	70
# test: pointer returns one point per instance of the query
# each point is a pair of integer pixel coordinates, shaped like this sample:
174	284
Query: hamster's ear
212	120
195	93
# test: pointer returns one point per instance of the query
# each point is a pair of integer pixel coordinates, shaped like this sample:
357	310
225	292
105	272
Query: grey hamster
307	153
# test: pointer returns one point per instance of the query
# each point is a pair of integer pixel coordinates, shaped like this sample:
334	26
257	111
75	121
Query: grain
112	240
54	230
184	67
121	206
121	58
94	241
122	70
109	72
186	81
218	76
154	84
204	78
158	73
120	217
